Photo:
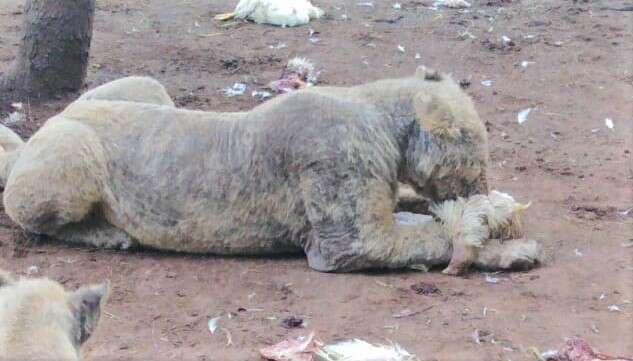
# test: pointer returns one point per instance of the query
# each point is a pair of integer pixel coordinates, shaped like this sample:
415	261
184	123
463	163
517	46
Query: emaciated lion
314	170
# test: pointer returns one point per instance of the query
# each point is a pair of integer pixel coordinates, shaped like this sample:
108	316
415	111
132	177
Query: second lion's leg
95	232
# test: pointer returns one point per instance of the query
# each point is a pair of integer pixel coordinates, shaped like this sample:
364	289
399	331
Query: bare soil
577	172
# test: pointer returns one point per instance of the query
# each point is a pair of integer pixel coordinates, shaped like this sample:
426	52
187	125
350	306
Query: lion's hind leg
58	178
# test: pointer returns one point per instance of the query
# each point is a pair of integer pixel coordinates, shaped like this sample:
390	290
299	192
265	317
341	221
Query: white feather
359	350
523	114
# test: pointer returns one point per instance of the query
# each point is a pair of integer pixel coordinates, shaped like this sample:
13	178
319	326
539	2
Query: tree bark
53	57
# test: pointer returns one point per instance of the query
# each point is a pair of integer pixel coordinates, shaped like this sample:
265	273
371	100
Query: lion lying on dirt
315	170
39	320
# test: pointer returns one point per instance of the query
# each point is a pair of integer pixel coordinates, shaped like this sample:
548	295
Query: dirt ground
577	172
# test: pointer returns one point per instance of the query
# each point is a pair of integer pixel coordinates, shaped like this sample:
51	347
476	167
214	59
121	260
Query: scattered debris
312	37
466	35
224	16
235	90
390	21
300	349
485	311
359	350
274	12
486	82
405	313
292	322
482	336
614	308
523	114
33	270
503	44
624	8
542	356
383	284
261	94
576	349
278	46
423	288
453	4
557	44
309	349
625	212
609	123
213	324
299	73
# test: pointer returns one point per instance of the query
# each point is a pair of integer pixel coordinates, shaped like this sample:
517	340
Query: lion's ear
436	117
422	72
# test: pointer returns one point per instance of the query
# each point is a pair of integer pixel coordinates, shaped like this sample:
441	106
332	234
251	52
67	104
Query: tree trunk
53	57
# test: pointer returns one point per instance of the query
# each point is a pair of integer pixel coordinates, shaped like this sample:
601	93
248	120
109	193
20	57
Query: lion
39	320
316	170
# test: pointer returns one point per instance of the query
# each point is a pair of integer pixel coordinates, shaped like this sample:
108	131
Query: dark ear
5	278
425	73
87	302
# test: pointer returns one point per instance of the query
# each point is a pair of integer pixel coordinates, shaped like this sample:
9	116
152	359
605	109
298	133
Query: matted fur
39	320
315	170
